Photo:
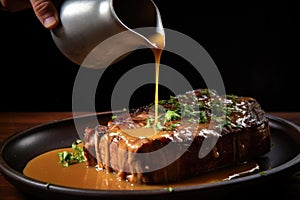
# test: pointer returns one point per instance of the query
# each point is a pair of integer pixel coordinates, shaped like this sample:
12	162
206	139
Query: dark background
254	45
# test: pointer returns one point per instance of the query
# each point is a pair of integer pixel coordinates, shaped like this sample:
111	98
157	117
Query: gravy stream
46	168
159	41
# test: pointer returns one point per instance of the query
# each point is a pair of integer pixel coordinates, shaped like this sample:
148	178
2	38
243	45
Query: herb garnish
208	106
170	189
171	115
76	156
262	173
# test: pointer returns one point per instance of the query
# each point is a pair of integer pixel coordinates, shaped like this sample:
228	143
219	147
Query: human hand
44	10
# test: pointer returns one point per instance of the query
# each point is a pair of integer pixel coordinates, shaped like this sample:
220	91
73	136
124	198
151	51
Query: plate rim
12	175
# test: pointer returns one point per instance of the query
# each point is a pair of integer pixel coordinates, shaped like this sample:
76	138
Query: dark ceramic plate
282	161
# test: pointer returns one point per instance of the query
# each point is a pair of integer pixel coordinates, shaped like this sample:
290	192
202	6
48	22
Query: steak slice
197	132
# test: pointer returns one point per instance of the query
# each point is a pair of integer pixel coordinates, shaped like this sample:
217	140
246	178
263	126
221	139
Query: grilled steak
196	132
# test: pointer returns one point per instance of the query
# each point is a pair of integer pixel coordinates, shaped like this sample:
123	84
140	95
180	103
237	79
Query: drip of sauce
46	168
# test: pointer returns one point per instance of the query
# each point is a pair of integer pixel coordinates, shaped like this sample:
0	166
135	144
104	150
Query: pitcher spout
89	28
146	23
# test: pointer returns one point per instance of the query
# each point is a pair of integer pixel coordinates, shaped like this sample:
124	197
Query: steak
196	132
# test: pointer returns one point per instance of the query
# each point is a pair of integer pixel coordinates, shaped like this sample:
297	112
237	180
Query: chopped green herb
171	115
158	126
206	91
149	122
173	126
170	189
262	173
76	156
233	98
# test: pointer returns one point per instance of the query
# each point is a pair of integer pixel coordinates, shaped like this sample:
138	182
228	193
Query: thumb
45	12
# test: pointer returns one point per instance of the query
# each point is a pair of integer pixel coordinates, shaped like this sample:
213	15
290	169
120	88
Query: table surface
13	122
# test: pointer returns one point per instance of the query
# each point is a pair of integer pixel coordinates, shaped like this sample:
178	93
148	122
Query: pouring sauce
134	20
159	41
46	168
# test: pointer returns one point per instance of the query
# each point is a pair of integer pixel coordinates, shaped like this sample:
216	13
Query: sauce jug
87	23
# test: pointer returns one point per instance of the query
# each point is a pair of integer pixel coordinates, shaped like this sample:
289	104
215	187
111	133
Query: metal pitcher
88	29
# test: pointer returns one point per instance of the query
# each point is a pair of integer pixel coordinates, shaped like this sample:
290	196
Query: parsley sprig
76	156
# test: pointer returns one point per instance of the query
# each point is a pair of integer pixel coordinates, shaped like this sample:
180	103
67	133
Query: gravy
140	132
46	168
159	41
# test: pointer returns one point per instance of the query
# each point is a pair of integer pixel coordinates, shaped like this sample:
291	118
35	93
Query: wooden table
12	122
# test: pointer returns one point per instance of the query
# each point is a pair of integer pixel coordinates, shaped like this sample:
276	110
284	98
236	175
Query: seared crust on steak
197	132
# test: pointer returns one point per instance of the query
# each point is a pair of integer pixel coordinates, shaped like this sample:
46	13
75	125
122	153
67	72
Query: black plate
282	161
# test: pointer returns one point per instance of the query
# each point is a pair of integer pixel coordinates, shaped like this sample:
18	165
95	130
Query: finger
45	12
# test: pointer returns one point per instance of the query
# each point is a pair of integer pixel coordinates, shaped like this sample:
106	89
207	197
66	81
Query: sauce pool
46	168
